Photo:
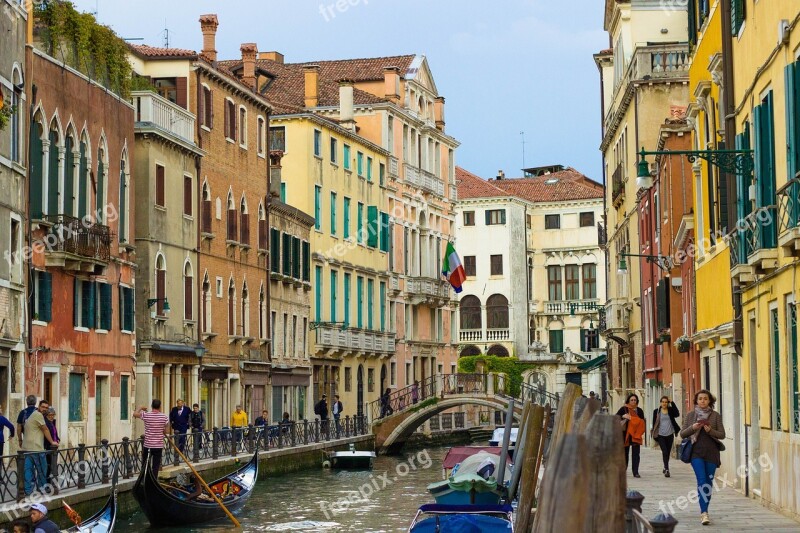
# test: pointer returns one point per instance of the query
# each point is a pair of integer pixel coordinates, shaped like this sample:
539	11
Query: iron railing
789	205
79	237
763	226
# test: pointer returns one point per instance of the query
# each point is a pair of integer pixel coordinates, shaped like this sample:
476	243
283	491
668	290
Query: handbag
685	450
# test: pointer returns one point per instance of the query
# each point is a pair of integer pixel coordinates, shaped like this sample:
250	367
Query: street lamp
644	180
199	351
662	262
152	301
730	161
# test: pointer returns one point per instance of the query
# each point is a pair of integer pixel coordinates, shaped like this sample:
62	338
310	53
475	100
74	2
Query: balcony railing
428	288
332	336
763	225
617	184
423	179
498	334
570	307
393	167
789	214
154	109
79	238
470	335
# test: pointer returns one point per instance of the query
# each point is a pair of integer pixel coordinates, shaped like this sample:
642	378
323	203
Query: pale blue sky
504	66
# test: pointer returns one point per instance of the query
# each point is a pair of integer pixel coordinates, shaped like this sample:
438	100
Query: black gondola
168	506
101	522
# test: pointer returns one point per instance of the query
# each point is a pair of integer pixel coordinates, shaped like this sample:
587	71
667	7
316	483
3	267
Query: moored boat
435	518
352	458
497	437
471	483
457	454
101	522
176	505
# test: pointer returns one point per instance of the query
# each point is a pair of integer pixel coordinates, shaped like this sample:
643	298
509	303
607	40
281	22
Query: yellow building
719	364
766	46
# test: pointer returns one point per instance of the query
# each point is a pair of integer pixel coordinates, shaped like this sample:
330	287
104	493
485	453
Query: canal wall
274	462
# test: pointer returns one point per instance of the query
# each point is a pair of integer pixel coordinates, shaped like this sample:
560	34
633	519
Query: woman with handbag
633	427
665	428
703	427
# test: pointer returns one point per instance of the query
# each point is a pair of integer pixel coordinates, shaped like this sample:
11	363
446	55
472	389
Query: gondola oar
205	485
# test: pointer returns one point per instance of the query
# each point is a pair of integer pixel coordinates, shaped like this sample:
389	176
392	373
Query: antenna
166	34
522	133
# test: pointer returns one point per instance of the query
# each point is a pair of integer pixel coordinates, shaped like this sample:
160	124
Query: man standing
198	422
156	427
336	409
321	409
23	416
4	422
36	434
238	421
42	524
179	420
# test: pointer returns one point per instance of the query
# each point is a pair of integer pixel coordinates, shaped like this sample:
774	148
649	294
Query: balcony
789	213
618	186
393	168
762	251
423	179
154	111
617	319
453	193
430	291
76	244
741	272
332	339
470	335
570	307
394	284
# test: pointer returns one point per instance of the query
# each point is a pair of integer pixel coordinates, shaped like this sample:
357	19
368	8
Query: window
207	109
334	290
188	292
232	215
372	226
275	250
16	120
334	151
126	309
495	216
552	221
75	397
347	162
317	207
231	308
571	282
496	262
347	277
262	314
409	374
124	205
295	258
360	223
737	15
589	339
469	218
317	143
277	140
230	120
188	197
359	302
206	303
242	126
382	304
333	213
381	174
556	341
245	314
587	219
384	232
124	397
283	191
346	208
42	296
370	380
348	379
84	304
469	265
260	145
206	220
104	289
590	281
360	163
287	254
554	283
370	302
262	228
161	284
306	261
369	169
393	374
470	309
497	312
160	185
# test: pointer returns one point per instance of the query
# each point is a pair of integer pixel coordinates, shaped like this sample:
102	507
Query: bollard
633	500
81	466
103	465
347	426
20	475
197	436
664	523
251	438
215	443
126	458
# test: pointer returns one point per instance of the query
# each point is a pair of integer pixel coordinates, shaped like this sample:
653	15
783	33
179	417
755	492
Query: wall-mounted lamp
152	301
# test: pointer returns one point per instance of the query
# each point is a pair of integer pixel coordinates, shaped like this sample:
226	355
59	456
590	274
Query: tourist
238	422
42	524
36	434
386	408
20	526
179	420
592	395
5	422
23	416
703	425
262	422
633	427
156	427
52	427
321	409
337	409
415	392
286	423
665	427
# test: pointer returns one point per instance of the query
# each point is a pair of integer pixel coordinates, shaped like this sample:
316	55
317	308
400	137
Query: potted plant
682	344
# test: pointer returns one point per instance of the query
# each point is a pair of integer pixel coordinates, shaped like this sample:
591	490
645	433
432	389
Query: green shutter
275	250
347	300
334	288
124	395
287	254
306	263
123	211
317	294
317	200
333	213
384	232
69	177
346	207
556	341
89	308
487	214
737	16
791	118
370	300
36	165
776	367
128	297
360	302
83	172
295	258
382	304
52	176
105	306
692	7
75	412
584	341
360	222
283	192
45	296
372	226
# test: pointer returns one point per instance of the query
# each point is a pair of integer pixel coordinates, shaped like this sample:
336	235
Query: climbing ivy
5	113
511	366
84	44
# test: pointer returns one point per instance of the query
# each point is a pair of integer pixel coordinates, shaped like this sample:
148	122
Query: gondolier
156	427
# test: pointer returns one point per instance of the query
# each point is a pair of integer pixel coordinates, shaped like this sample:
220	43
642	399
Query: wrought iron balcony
741	272
428	290
332	338
76	244
762	252
617	186
570	307
789	213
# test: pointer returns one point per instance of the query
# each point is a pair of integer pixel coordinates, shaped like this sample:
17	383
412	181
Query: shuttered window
334	290
306	261
287	254
590	281
572	281
124	397
245	229
360	222
737	15
556	341
359	302
275	251
160	185
295	258
105	306
231	235
662	304
370	302
384	247
495	216
206	113
84	308
262	234
43	296
75	412
230	120
765	168
317	294
207	216
333	213
346	208
317	143
792	83
372	226
382	305
187	195
317	207
161	291
126	318
188	294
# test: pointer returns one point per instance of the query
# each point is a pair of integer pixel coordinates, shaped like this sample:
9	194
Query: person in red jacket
632	418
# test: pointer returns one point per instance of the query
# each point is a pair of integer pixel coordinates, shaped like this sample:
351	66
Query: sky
504	67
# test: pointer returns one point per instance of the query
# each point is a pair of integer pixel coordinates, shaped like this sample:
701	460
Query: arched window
161	284
84	200
206	221
231	308
262	313
102	182
188	291
470	309
54	171
262	227
245	311
69	207
124	202
206	304
18	117
244	216
232	233
497	350
470	350
37	161
497	312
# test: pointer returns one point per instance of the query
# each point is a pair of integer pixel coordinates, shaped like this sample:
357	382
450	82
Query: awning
593	363
288	380
177	348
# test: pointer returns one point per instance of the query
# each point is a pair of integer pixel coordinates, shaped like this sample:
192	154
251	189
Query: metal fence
83	466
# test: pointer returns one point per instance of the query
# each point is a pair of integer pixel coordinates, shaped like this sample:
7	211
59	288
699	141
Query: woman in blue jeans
704	427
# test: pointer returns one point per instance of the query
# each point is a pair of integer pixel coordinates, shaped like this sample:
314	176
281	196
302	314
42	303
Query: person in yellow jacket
238	421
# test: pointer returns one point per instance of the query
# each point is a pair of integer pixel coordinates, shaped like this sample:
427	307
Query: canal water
333	500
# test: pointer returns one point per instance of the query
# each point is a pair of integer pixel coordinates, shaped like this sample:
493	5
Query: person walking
42	524
633	425
703	425
238	423
415	392
30	401
5	423
665	427
36	434
386	407
337	409
156	427
50	420
321	410
179	420
197	421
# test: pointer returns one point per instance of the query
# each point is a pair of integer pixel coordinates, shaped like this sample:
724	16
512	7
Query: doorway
383	378
49	381
575	377
360	390
101	404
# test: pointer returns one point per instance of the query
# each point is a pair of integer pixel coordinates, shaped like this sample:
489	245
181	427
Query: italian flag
452	268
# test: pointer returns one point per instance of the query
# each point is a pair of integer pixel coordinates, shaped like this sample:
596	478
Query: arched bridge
393	422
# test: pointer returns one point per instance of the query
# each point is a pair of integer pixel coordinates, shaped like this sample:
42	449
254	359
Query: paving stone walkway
729	510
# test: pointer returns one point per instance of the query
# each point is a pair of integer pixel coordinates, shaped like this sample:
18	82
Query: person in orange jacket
632	419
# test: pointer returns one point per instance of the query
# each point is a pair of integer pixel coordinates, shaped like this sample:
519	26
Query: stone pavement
729	510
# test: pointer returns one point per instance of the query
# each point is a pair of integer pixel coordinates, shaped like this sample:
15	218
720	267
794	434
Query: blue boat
436	518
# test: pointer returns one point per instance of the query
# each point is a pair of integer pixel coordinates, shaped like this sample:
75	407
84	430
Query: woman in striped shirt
156	427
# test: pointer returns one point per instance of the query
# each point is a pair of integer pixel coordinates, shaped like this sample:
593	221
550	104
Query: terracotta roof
364	69
568	184
158	52
473	186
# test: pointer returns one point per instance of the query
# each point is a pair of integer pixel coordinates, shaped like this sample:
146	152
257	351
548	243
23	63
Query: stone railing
370	341
421	286
570	307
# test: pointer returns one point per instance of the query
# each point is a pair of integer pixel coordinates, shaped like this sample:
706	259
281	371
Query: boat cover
468	482
456	454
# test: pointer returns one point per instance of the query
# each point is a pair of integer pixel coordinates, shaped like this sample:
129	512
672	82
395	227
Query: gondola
169	506
101	522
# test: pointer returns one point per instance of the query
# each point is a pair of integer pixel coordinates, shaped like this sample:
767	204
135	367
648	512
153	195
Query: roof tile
568	184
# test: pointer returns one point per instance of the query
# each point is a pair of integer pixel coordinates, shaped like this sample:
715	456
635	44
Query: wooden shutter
692	7
161	290
306	261
89	307
295	258
105	306
245	229
662	304
45	296
159	185
187	195
287	254
372	226
262	234
181	92
187	297
231	312
207	216
76	303
275	250
210	109
737	15
231	225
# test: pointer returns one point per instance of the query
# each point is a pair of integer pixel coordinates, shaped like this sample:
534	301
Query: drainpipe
199	218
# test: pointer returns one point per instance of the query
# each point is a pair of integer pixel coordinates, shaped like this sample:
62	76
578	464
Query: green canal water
299	501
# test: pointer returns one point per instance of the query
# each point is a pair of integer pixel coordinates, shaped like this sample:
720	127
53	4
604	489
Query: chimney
346	105
311	73
438	112
208	25
500	175
249	53
391	83
271	56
